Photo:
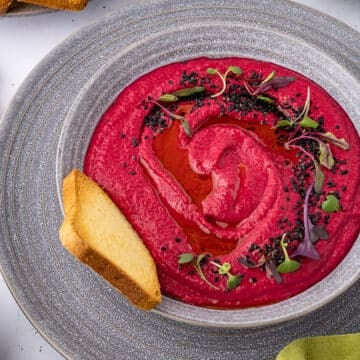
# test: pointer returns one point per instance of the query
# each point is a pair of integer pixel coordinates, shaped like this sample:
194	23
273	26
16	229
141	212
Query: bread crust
5	5
74	5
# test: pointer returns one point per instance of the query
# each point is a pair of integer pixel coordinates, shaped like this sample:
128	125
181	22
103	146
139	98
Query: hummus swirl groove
231	189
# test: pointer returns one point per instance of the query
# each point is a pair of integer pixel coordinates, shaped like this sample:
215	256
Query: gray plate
74	309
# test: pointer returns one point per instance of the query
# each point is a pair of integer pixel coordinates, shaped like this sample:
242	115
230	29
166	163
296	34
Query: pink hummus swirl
231	189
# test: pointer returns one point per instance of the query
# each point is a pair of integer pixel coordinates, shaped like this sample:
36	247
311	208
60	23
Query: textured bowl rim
50	330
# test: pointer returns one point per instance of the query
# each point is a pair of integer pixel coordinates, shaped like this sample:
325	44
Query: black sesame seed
134	142
253	247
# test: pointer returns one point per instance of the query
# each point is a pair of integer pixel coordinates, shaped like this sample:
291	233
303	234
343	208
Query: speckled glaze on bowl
45	133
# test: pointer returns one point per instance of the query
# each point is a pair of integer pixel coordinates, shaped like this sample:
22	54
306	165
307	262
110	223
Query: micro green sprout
196	262
306	247
184	123
330	204
231	69
288	265
233	280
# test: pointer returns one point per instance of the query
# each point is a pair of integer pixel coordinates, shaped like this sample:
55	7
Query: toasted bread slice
5	5
98	234
74	5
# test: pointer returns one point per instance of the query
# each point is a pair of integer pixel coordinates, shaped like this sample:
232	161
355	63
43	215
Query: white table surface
24	41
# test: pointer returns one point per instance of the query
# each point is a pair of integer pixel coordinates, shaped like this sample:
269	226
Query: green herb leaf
186	127
168	98
284	123
234	69
188	91
266	99
233	281
185	258
309	123
331	204
326	158
288	265
318	178
211	71
224	269
341	143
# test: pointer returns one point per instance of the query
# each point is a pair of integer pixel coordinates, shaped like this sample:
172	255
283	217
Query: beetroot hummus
240	176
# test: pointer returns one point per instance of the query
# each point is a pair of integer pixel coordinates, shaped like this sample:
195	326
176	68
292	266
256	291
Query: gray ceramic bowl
46	131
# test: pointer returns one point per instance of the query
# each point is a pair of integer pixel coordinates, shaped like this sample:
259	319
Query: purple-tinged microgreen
306	247
330	204
184	123
319	176
234	69
195	261
233	280
271	271
270	267
330	137
271	82
326	159
284	111
248	263
317	232
288	265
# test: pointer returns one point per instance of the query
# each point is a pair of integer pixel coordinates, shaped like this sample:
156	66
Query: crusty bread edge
73	5
5	5
77	246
